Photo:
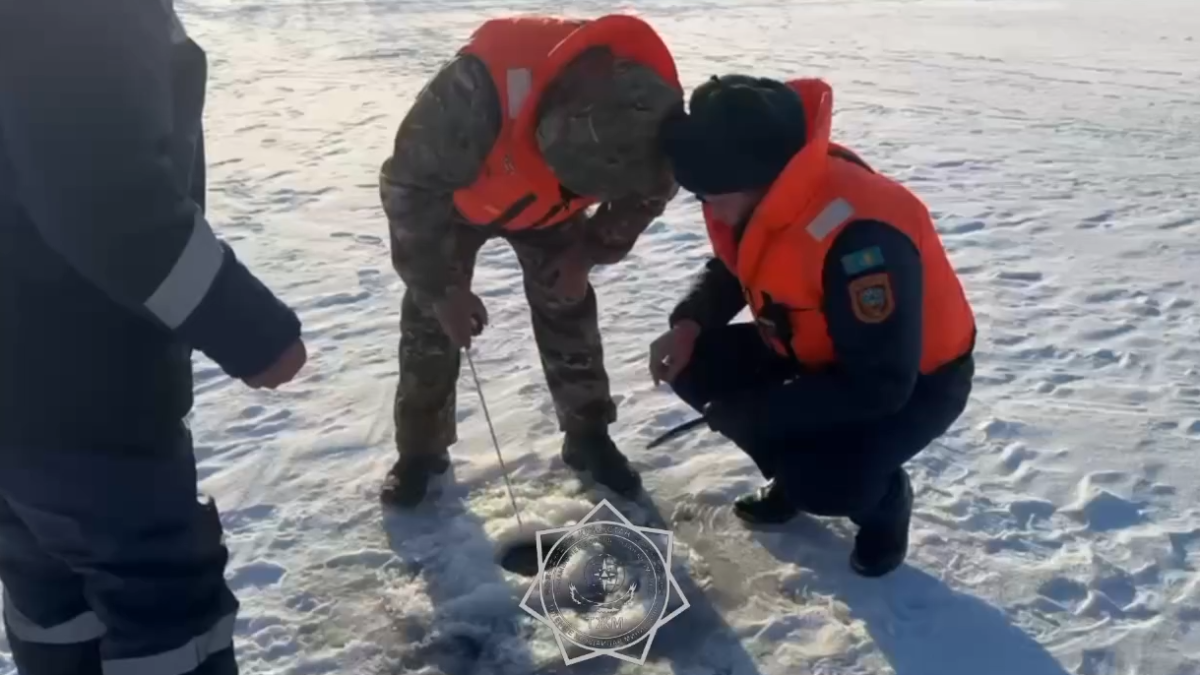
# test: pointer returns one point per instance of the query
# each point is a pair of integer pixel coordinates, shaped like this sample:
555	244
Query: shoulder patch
861	261
871	297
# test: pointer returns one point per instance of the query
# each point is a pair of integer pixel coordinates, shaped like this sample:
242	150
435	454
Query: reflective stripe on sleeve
188	282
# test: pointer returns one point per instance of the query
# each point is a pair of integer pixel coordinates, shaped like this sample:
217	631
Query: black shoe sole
747	517
878	569
786	513
388	499
888	564
438	467
578	464
627	491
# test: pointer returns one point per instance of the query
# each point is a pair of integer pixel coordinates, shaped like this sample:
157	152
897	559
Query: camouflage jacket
440	147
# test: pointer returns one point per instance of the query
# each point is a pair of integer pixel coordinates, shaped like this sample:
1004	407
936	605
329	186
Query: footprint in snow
256	575
1103	511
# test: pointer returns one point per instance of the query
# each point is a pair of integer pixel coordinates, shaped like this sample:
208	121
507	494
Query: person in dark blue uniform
860	353
110	277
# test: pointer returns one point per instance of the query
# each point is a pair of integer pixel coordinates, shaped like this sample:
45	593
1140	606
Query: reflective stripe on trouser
82	628
87	627
113	544
183	659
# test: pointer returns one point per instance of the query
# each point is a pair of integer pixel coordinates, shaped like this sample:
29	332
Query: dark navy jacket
110	274
877	372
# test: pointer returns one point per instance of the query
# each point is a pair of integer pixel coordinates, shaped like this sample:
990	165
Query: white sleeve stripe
188	282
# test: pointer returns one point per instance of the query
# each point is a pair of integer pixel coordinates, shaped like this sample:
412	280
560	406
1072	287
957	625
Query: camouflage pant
565	328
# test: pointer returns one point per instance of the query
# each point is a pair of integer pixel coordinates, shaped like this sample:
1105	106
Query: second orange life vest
780	258
516	189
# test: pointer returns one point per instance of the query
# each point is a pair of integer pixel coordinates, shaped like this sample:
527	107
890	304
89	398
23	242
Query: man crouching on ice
861	352
532	123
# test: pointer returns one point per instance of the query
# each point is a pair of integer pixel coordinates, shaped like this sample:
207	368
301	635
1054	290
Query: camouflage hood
598	126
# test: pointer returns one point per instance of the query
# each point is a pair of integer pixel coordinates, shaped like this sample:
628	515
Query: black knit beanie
740	134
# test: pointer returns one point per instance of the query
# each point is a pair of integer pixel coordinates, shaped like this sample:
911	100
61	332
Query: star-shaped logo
604	586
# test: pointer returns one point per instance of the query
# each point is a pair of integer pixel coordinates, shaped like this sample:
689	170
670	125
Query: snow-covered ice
1057	527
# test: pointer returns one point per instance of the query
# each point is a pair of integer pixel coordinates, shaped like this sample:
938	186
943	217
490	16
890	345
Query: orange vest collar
627	36
516	189
792	191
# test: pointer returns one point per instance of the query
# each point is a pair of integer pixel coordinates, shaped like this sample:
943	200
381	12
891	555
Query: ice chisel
676	432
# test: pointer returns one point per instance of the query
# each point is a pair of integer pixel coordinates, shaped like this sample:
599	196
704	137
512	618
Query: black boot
408	481
765	506
596	453
881	544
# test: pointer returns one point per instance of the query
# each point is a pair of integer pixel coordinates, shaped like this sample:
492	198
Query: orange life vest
516	189
781	255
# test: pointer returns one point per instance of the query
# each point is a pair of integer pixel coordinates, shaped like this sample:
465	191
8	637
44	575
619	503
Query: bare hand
672	351
462	316
283	370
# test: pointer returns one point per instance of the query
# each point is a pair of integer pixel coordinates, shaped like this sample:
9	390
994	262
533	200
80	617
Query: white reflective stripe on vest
835	213
178	661
82	628
519	82
188	282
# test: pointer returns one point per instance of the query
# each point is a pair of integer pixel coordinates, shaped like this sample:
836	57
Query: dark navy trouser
112	564
844	470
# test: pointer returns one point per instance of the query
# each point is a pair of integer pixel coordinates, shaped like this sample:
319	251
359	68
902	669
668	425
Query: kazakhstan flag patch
861	261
